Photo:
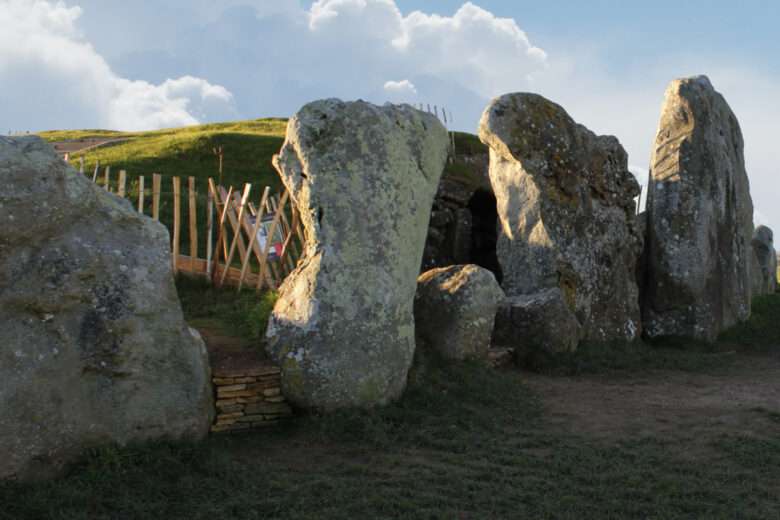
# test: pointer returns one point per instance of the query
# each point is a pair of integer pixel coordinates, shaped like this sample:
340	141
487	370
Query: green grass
464	442
243	314
248	147
762	330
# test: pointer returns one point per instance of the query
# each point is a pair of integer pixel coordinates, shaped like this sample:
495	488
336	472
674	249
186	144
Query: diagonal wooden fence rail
250	238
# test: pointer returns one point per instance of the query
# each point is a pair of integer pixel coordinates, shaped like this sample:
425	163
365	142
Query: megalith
455	308
566	207
362	178
764	269
93	345
700	218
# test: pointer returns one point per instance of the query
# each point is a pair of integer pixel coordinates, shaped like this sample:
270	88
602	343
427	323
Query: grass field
471	442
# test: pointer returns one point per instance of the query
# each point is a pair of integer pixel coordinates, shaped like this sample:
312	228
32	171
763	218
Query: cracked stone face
700	217
565	201
362	178
93	345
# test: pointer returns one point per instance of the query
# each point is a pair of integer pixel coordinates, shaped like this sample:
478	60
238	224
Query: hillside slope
248	147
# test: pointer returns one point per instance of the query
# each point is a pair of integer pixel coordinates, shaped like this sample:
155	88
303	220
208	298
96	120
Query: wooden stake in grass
176	222
107	181
81	165
156	181
193	210
141	194
97	169
122	183
253	236
219	151
229	259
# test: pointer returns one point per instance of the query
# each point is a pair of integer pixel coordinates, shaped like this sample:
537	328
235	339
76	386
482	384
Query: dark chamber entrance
484	231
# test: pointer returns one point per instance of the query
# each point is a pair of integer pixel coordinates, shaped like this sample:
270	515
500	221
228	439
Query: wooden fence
243	244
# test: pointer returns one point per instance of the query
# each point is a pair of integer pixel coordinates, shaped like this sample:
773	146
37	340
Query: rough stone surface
700	217
455	308
363	178
566	204
93	345
539	322
764	270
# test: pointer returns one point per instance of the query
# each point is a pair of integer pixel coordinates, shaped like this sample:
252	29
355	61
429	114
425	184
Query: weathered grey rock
537	323
700	217
455	308
93	345
363	179
566	204
764	269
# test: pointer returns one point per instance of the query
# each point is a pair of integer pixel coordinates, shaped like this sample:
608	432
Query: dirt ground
742	398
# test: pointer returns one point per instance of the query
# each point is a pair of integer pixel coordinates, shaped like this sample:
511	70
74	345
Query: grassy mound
248	147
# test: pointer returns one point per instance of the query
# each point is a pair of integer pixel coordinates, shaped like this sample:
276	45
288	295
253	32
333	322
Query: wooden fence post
237	237
156	181
97	169
209	228
193	206
81	165
122	183
141	194
176	222
253	236
108	179
270	238
221	229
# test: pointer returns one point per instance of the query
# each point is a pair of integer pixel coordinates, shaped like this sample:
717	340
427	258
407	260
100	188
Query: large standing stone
363	178
566	204
700	217
764	270
455	308
93	345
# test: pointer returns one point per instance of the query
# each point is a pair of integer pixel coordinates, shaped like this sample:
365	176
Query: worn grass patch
243	314
465	442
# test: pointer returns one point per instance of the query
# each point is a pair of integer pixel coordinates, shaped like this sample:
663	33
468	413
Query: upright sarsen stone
566	205
764	269
93	345
363	178
700	217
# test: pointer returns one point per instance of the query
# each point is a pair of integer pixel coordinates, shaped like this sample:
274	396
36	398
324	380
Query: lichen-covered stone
700	217
566	204
454	310
363	179
537	323
93	345
764	269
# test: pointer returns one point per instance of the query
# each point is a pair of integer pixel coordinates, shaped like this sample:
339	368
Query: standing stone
455	308
764	270
362	178
93	345
566	204
700	217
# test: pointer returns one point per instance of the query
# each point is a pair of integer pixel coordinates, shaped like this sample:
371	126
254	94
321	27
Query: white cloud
51	77
403	88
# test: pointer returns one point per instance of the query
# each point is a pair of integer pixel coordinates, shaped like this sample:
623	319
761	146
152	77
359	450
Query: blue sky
156	63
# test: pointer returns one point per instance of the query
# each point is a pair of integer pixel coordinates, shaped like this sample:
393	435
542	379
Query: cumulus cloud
403	89
51	77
